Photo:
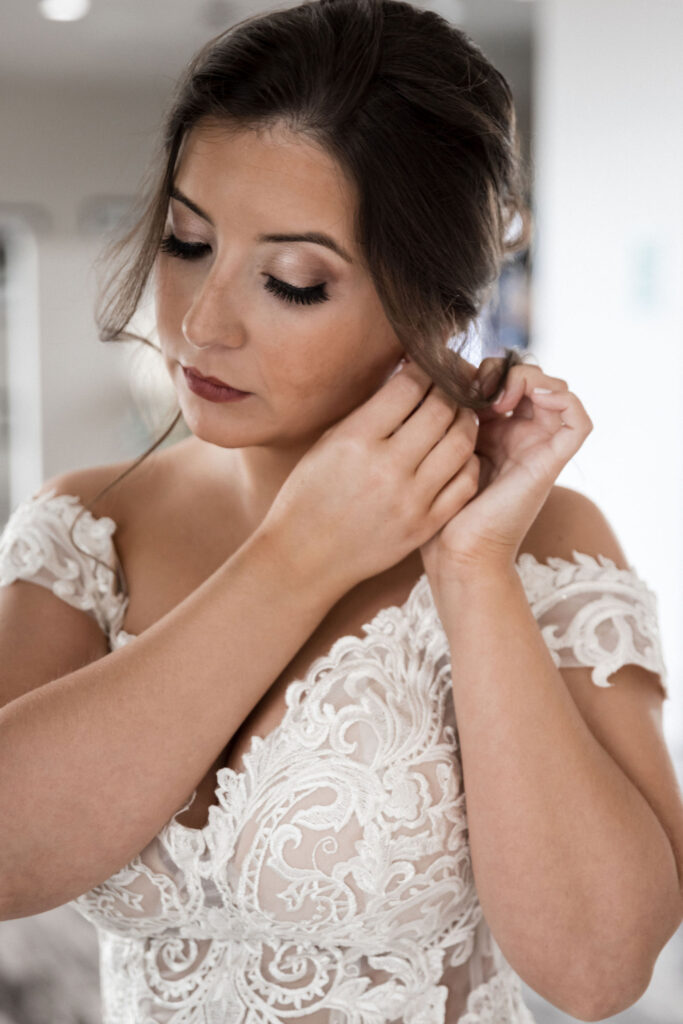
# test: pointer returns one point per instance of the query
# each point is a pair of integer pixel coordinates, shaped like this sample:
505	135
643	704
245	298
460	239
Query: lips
212	380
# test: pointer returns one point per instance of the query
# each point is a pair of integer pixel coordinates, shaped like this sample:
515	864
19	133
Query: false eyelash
316	293
173	246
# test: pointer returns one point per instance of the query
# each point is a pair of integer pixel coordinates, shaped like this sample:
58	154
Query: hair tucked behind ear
419	121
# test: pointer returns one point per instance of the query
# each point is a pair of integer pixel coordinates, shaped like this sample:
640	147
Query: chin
206	426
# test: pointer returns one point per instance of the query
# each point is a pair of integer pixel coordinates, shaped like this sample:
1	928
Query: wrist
473	574
304	569
477	585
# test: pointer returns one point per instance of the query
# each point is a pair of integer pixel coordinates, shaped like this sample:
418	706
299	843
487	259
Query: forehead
265	173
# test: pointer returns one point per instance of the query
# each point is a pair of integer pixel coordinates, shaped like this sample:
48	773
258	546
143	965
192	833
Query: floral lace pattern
332	882
592	613
35	545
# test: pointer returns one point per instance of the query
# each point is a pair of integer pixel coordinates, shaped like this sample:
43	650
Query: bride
340	709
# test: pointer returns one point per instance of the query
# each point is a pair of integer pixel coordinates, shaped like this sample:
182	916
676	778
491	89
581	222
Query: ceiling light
64	10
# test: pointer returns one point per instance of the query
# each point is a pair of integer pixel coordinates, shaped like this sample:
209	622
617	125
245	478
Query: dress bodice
332	882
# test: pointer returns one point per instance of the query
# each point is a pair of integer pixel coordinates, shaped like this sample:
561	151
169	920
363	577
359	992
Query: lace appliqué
332	883
592	613
498	1000
35	546
333	880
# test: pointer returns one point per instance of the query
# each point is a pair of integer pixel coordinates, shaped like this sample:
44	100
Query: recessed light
64	10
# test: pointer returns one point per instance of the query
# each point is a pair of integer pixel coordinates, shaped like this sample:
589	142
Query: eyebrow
317	237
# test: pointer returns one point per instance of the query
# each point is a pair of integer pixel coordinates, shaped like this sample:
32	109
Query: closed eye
316	293
171	245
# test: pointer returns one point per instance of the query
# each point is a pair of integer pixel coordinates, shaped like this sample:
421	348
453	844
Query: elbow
600	995
615	969
8	901
12	905
15	906
607	1004
9	910
595	983
22	897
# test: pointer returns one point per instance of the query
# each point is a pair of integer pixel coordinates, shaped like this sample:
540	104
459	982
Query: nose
212	318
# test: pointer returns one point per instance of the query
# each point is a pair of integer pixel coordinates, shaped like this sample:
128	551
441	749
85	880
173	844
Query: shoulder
101	485
569	521
84	483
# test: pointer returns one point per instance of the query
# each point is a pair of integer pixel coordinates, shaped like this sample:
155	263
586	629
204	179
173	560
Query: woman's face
227	300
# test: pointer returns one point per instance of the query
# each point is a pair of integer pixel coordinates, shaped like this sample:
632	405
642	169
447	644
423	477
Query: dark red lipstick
212	388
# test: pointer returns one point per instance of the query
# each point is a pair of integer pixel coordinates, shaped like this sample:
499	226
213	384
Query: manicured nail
543	391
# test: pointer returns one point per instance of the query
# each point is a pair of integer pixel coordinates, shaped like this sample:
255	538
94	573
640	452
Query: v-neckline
326	660
221	775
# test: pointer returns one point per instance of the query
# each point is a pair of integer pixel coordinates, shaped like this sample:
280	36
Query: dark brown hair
416	117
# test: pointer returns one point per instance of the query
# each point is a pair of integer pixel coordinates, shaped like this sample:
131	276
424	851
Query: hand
380	482
524	441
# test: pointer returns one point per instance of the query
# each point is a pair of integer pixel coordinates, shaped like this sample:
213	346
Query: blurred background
598	300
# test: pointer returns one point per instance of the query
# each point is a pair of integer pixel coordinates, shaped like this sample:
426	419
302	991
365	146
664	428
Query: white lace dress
333	883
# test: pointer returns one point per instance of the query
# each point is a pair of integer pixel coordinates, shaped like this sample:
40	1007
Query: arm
575	871
93	763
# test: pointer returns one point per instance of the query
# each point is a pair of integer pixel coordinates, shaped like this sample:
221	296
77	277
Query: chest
166	557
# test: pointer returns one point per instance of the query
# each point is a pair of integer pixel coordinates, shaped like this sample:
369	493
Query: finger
490	439
424	428
381	414
449	454
520	381
488	374
491	369
575	423
460	489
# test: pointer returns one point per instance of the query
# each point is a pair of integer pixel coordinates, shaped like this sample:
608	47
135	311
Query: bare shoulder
87	483
568	521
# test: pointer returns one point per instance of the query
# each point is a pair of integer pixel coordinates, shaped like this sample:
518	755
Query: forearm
94	763
573	869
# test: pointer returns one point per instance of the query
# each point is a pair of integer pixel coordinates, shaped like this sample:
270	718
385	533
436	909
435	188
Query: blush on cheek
309	396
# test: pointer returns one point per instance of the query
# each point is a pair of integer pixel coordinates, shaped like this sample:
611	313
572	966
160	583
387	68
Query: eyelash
173	246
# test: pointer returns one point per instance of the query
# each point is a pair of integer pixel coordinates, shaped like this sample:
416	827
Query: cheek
302	378
327	371
313	359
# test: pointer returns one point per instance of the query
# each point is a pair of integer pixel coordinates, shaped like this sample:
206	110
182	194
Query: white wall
608	302
63	150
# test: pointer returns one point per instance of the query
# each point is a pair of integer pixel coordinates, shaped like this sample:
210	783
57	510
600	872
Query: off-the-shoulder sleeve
35	545
592	613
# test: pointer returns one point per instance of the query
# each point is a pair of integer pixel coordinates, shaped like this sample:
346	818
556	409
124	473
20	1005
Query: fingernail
499	397
543	391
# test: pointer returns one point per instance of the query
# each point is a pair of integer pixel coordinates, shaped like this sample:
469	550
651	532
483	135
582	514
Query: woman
344	600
